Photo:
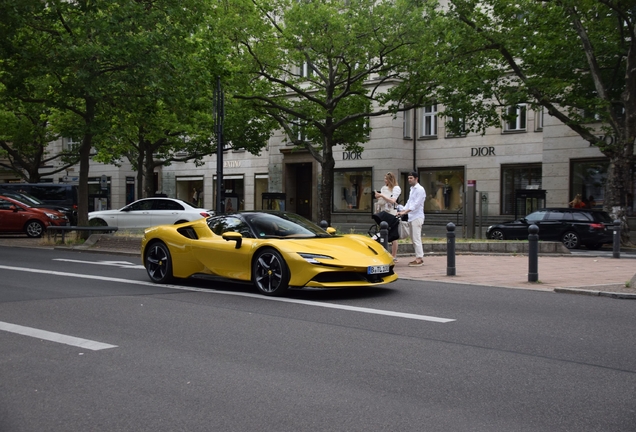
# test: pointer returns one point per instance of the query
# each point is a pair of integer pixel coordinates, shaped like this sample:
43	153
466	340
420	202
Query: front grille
332	277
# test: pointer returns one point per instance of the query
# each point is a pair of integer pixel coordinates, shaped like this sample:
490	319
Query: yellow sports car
272	250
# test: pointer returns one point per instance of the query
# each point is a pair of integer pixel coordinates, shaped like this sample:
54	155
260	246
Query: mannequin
447	190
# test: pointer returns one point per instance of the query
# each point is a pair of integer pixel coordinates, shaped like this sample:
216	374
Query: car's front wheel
571	240
270	273
159	263
34	229
497	235
97	222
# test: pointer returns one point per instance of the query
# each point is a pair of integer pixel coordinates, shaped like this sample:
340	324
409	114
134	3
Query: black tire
571	240
97	222
34	229
158	263
497	234
270	273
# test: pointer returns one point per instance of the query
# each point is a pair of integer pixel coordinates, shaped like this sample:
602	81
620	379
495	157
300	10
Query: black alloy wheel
270	273
571	240
497	234
159	263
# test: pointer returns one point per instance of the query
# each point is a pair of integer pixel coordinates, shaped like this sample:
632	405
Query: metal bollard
324	224
617	239
384	235
533	253
450	249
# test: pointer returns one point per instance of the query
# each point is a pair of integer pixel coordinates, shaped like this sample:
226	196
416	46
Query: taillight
204	214
597	226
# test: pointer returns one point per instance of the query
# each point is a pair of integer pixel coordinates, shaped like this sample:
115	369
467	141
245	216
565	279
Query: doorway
302	181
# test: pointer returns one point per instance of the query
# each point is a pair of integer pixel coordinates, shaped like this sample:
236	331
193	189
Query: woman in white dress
387	201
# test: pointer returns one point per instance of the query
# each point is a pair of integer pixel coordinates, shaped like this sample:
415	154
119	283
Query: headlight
311	258
51	215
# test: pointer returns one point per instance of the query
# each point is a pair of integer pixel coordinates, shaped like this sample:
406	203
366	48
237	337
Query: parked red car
16	216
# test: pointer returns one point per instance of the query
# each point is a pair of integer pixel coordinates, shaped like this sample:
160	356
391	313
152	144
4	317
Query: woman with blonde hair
577	202
387	198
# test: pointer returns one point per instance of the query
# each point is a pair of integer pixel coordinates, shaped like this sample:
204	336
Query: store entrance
302	175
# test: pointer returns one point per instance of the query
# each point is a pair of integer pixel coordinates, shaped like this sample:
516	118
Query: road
89	344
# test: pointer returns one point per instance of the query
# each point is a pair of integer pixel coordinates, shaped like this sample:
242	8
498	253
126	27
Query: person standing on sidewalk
414	207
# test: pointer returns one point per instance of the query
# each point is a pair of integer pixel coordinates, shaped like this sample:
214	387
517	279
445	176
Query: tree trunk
149	173
616	188
326	182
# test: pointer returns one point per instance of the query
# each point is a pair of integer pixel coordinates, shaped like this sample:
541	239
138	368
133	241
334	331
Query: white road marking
256	296
122	264
54	337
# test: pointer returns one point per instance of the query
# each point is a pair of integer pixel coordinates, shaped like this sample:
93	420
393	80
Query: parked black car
573	227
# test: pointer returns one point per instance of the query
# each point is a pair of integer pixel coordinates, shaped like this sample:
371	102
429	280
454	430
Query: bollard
533	253
450	249
617	239
384	235
324	224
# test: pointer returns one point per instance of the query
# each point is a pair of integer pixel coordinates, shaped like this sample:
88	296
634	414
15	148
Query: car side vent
371	249
188	232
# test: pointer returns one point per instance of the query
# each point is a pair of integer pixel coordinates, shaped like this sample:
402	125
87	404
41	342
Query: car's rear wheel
571	240
270	273
34	228
497	235
159	263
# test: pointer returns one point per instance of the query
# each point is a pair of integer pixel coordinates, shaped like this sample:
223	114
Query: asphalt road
413	356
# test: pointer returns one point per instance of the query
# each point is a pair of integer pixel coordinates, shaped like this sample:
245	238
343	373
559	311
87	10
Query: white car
148	212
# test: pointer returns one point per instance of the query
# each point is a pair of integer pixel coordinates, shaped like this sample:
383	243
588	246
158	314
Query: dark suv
573	227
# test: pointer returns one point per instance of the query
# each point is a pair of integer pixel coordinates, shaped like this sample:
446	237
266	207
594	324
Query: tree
24	140
576	59
320	68
88	55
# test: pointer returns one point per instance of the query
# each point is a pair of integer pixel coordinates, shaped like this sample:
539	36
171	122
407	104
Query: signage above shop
482	151
351	155
232	164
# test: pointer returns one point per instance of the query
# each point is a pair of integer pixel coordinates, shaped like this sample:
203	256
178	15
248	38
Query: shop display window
514	177
444	189
353	190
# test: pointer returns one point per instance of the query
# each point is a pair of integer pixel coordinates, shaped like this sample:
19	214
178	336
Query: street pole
219	114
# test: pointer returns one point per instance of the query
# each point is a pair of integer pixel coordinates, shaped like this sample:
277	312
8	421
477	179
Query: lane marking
54	337
238	294
121	264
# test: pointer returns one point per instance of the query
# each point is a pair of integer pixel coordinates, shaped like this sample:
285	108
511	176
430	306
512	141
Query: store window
190	190
98	194
261	183
353	190
444	189
234	193
587	177
513	177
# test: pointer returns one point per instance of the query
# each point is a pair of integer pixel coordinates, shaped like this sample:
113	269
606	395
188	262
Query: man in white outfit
414	207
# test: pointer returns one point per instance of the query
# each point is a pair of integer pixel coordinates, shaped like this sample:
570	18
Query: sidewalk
559	273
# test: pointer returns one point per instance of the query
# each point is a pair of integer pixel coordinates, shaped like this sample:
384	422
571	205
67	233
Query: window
455	127
515	118
428	123
223	224
588	178
514	177
298	131
444	189
352	190
538	121
407	124
306	70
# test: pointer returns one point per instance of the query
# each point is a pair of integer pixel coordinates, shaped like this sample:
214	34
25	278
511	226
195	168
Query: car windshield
283	225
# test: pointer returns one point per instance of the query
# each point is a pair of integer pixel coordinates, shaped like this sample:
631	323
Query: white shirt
393	194
415	204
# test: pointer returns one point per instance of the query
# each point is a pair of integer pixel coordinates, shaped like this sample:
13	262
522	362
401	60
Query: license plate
378	269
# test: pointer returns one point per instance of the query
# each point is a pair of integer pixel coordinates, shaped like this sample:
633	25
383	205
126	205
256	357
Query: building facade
530	161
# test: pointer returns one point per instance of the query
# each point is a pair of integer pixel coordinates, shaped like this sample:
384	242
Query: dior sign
482	151
351	155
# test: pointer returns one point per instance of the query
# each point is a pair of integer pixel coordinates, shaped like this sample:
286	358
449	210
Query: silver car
148	212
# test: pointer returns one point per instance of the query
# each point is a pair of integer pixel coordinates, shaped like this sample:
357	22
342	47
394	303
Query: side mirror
331	230
233	236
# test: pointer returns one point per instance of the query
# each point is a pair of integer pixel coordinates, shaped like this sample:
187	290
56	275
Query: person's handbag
404	229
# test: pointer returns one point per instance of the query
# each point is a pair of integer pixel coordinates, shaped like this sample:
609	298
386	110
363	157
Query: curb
622	296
